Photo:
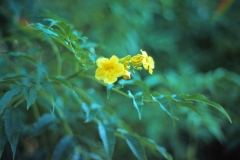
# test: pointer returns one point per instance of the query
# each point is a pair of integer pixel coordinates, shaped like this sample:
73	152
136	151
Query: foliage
53	107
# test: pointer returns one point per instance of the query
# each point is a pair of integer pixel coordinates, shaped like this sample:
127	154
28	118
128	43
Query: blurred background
196	48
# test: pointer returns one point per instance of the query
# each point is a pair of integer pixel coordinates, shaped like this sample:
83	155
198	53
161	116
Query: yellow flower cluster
110	69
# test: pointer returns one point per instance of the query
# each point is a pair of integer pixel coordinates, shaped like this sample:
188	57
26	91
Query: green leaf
44	29
16	78
8	82
109	89
85	59
89	45
203	99
31	94
42	71
140	83
42	124
13	77
20	54
164	152
161	100
65	43
64	33
64	149
84	39
45	99
107	135
12	128
64	27
63	82
3	137
180	102
49	88
135	146
91	111
137	102
151	145
67	84
143	141
7	97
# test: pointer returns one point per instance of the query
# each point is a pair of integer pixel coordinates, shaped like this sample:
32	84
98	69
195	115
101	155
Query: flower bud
125	62
136	61
126	75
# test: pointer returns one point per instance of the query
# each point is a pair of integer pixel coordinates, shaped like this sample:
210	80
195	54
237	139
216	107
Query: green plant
52	104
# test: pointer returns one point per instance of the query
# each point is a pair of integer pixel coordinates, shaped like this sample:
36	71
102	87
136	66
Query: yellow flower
125	61
137	60
109	69
126	75
148	62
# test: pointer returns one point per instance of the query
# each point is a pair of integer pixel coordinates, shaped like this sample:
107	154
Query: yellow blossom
126	75
125	61
148	62
136	61
109	69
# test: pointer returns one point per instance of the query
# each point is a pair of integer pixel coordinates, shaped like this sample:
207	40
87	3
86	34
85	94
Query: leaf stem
81	74
114	89
58	58
65	122
73	75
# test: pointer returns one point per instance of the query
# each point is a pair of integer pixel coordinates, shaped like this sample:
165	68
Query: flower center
109	68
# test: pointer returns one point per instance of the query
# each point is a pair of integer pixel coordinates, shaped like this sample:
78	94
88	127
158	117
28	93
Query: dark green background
193	52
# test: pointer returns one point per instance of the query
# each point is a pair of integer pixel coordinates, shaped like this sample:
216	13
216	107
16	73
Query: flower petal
114	59
144	53
119	69
100	74
150	70
101	61
110	79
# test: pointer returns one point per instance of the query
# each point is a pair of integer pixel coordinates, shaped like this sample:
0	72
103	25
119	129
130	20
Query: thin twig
81	74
